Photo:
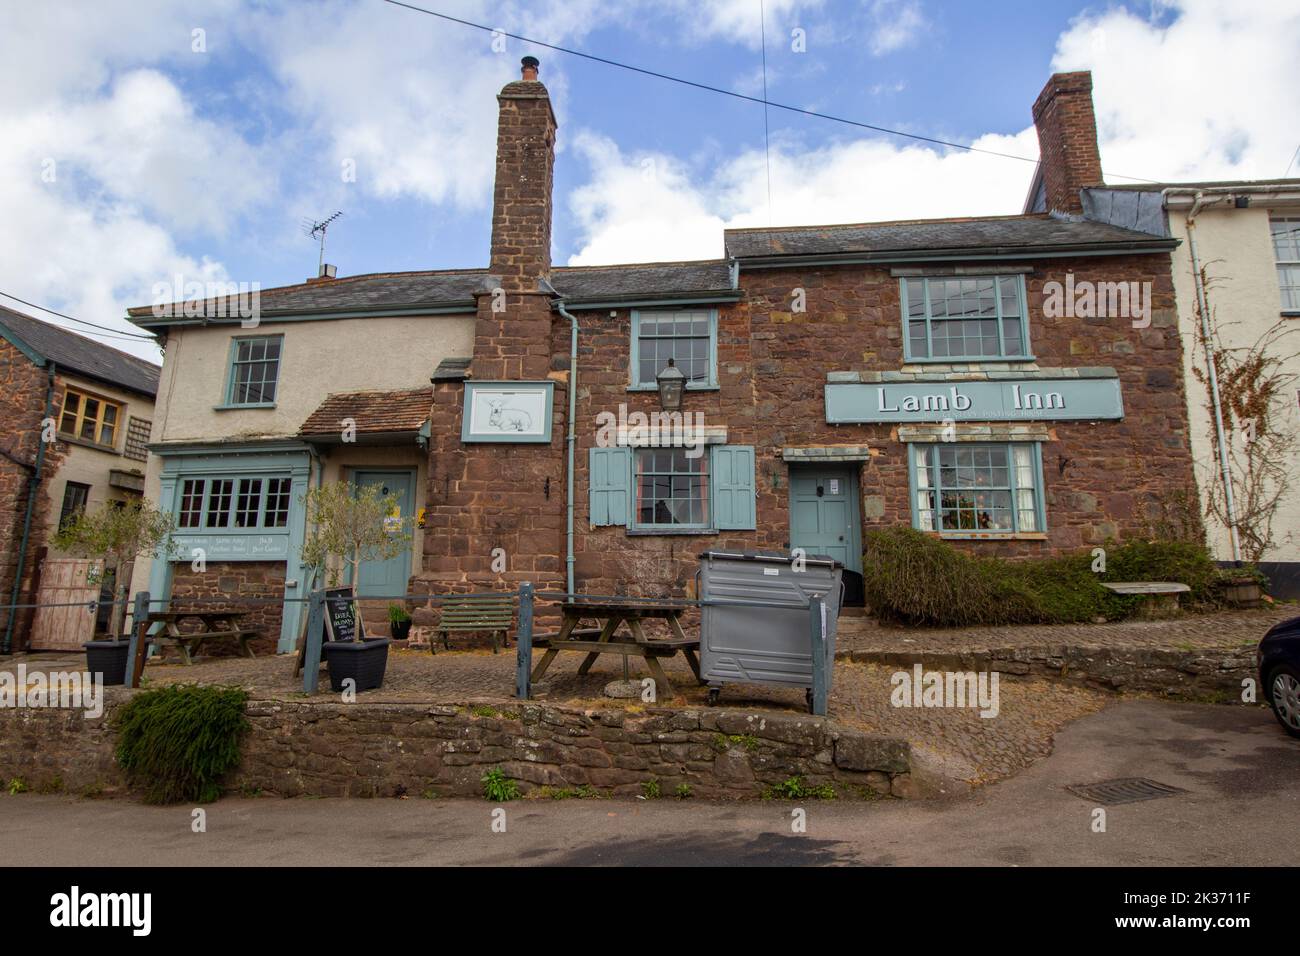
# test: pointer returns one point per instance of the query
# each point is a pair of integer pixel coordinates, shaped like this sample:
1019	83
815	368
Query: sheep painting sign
507	412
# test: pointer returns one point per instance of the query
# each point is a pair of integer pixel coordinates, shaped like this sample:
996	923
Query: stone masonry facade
23	388
225	581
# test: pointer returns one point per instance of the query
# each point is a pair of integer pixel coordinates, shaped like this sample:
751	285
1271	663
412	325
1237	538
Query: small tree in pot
350	524
121	531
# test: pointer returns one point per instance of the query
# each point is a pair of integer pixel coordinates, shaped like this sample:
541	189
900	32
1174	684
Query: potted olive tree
350	524
122	532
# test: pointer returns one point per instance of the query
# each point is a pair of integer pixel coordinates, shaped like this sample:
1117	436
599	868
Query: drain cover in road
1128	790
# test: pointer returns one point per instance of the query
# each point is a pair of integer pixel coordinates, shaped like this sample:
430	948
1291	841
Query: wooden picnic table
609	617
215	625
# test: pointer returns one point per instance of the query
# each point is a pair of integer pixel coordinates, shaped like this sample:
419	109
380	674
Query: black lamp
671	385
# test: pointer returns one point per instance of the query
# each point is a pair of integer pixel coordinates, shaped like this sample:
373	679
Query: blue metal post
817	616
315	636
524	642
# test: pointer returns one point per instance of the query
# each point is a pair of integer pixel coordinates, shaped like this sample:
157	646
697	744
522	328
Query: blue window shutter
609	473
733	487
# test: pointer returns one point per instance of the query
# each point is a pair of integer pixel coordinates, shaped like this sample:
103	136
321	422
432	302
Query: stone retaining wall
328	748
1199	674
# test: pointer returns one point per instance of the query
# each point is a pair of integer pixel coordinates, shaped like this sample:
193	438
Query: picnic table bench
1160	598
216	625
475	612
604	639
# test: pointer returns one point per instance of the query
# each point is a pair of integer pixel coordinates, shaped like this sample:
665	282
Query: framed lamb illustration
507	412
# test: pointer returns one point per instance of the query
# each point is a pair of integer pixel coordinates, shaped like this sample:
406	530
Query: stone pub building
1012	384
841	378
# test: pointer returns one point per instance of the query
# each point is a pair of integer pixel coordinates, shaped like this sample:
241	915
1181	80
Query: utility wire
725	92
103	328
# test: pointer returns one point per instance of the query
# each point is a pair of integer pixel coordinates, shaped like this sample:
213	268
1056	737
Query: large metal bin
755	626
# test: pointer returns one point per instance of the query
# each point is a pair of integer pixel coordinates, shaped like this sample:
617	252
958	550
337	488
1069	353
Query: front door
389	577
824	513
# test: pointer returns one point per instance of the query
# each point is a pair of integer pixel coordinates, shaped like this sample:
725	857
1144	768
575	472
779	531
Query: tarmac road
1241	774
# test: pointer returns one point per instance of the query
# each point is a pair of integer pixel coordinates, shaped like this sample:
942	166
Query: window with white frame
249	503
965	317
977	488
1286	250
686	336
254	370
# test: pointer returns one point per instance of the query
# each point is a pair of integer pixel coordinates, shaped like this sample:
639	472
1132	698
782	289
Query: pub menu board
341	620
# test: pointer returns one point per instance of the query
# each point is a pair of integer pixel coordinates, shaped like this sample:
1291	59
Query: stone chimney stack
1067	140
521	212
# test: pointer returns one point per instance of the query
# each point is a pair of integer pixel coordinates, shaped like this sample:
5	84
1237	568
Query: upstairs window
689	338
254	370
1286	250
965	318
75	495
89	418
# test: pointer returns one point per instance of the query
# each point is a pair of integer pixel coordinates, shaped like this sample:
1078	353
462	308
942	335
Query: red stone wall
222	584
1101	479
22	409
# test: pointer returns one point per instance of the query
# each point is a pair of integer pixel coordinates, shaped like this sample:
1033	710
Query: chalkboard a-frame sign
342	623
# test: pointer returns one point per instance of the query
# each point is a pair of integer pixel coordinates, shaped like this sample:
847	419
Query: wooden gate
70	581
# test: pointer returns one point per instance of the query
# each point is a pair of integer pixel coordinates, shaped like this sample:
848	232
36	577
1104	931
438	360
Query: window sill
86	443
972	360
234	408
992	535
689	388
669	532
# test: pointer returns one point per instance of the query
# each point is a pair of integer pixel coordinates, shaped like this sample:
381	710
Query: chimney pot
530	66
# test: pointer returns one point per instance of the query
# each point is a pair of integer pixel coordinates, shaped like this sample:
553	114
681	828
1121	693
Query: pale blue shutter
733	487
609	473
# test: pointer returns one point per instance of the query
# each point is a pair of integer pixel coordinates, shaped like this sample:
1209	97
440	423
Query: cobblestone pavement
1225	629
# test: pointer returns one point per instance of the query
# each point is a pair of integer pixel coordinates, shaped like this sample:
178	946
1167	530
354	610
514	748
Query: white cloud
1204	90
894	24
737	21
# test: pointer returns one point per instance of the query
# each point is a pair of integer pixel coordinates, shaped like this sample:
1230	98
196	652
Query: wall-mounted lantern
671	385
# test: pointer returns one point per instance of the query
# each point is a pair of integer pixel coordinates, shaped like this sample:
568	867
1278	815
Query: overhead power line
118	333
763	101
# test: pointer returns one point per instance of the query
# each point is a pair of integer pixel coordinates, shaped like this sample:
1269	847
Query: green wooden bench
464	613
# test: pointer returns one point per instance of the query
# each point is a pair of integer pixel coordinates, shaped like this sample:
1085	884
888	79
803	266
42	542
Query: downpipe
572	438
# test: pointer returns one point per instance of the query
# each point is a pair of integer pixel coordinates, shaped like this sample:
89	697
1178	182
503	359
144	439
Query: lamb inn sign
1008	400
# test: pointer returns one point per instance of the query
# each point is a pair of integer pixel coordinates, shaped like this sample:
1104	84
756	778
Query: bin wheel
714	694
808	697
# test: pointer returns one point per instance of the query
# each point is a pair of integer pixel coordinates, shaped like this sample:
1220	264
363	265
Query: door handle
841	537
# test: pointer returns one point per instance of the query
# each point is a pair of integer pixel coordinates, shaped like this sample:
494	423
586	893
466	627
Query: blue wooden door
824	514
389	577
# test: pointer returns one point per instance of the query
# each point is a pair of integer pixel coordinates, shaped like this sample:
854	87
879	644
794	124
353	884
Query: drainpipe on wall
1215	400
33	484
572	436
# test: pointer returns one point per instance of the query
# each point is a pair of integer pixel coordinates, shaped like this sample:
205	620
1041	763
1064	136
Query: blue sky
198	154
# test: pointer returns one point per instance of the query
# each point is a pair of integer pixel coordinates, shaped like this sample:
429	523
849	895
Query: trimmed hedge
914	578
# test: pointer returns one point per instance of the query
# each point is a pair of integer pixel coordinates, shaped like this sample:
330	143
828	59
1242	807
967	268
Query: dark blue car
1279	672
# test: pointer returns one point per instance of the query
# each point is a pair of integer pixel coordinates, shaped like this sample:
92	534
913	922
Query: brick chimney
521	212
1067	140
512	330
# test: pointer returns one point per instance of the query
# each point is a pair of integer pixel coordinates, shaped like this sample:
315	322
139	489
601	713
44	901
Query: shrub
914	578
175	743
497	787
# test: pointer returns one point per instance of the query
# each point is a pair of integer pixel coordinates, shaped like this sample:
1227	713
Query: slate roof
1215	184
75	353
1009	233
456	289
376	412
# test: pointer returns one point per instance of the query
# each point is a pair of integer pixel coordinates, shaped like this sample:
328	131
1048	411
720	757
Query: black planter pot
108	658
363	661
400	630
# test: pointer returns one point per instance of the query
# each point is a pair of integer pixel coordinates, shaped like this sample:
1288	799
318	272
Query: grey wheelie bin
755	622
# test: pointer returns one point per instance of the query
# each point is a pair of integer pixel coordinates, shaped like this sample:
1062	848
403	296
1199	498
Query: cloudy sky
146	139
